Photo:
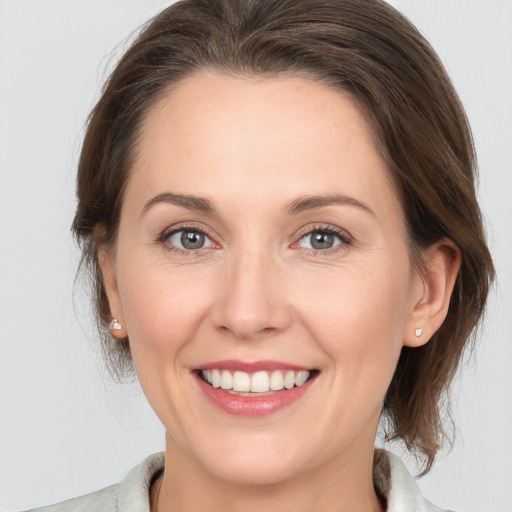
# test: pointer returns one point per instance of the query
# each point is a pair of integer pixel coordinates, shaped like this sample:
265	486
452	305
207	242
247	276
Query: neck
345	485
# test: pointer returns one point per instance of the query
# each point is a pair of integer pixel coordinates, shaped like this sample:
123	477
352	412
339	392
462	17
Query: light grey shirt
132	493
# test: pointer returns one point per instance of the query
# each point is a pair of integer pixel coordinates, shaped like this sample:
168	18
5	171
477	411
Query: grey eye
320	240
189	240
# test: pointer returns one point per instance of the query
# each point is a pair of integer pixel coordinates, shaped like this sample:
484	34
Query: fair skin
325	284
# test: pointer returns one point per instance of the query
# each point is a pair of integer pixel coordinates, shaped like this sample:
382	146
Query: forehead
255	138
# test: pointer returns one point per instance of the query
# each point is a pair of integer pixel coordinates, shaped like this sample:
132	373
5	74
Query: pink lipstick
253	389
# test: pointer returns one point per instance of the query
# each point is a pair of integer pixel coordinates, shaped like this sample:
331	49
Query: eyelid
343	235
186	226
310	228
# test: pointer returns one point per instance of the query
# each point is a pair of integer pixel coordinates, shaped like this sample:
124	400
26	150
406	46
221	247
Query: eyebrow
299	205
306	203
193	203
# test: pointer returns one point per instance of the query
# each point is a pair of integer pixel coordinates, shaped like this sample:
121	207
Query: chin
253	462
259	472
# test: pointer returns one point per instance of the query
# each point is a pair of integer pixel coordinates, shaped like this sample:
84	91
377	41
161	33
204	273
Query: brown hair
365	48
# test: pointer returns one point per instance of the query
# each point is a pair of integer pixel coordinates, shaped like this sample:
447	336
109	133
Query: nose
251	303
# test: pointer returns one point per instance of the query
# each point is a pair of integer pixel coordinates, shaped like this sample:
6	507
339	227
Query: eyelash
343	236
164	238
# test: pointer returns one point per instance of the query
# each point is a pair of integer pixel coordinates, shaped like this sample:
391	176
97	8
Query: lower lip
255	405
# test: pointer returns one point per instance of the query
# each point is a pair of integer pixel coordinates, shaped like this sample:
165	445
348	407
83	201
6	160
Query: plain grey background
64	429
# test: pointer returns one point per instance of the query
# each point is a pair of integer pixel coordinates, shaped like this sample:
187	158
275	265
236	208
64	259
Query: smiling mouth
259	383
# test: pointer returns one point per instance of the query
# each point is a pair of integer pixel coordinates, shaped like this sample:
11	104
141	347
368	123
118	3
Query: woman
276	201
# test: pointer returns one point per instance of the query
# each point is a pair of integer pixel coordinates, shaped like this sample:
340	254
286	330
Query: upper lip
253	366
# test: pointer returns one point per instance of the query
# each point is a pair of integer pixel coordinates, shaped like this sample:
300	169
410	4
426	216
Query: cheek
163	307
358	318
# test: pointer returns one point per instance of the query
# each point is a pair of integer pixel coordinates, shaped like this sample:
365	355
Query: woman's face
261	237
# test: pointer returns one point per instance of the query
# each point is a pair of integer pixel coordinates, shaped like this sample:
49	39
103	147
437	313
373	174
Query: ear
107	265
432	291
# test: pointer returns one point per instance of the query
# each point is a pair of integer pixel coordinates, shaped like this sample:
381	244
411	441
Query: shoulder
130	495
401	490
102	500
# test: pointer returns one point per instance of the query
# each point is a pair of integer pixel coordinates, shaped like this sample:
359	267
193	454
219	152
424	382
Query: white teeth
301	377
241	381
258	382
276	381
215	378
289	379
226	380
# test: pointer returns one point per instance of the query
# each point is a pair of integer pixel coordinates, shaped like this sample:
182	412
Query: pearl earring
418	332
115	325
